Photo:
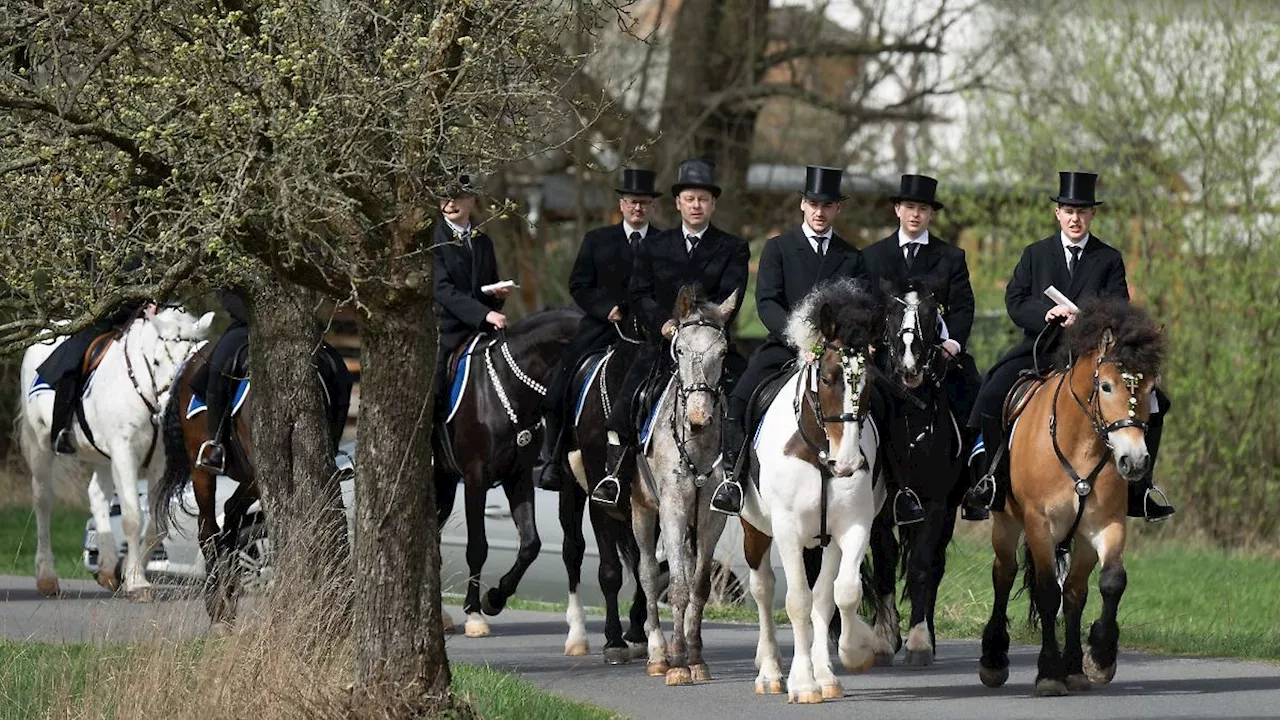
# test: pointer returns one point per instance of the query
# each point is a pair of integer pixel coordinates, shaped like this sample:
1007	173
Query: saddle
97	350
763	396
1020	394
582	376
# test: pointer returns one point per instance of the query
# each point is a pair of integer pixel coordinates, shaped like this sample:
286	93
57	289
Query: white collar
905	240
627	230
1066	241
814	234
689	233
457	229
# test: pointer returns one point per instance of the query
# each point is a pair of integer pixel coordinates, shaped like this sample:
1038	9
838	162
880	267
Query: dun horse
815	458
1080	438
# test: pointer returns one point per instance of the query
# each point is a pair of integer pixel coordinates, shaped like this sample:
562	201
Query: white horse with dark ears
815	454
121	399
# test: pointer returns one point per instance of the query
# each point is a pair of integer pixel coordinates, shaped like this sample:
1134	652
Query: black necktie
466	238
818	241
693	243
909	253
1075	260
635	240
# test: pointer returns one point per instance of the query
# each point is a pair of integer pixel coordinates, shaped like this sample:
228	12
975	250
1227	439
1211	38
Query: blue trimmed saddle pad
198	405
461	374
39	386
646	432
596	367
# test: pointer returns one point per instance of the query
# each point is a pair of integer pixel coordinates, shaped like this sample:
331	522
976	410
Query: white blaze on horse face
908	332
849	454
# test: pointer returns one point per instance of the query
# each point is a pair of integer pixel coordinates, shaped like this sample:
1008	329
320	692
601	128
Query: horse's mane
856	310
1138	343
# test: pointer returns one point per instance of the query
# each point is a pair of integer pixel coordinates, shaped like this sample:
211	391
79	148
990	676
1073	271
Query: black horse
594	388
923	453
491	439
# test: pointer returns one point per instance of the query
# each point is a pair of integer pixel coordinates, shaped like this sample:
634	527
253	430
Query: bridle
697	361
928	359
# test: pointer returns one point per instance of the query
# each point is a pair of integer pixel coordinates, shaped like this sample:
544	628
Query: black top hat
918	188
1076	189
696	174
638	181
459	185
822	184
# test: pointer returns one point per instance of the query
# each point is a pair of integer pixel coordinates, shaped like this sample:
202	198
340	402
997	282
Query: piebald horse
815	460
1080	438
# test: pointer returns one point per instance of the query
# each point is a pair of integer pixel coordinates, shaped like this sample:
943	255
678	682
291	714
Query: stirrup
62	444
908	492
204	459
599	498
1161	500
729	487
985	490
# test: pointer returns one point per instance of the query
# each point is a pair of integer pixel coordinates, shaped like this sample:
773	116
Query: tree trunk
402	669
292	449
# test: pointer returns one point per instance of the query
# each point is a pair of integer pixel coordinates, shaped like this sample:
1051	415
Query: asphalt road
531	643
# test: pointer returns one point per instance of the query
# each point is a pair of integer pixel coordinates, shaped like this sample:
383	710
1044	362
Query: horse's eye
1106	387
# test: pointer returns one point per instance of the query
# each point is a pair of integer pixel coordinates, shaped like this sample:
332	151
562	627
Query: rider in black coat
598	283
697	252
212	381
790	265
1080	266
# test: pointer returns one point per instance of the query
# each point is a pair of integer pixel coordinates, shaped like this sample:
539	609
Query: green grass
18	541
498	695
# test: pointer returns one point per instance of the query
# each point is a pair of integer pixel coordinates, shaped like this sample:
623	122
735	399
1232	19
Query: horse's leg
520	497
1051	675
993	666
1104	636
635	635
1075	593
446	495
125	475
925	538
801	685
824	607
108	558
857	640
940	563
42	500
680	565
473	499
572	503
616	651
710	526
204	486
768	658
884	562
226	540
645	525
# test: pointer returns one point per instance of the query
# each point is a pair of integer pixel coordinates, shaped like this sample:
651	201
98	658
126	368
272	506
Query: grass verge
18	540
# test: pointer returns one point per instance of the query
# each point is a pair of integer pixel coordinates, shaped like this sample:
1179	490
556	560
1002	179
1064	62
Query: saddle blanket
596	366
646	432
461	374
198	404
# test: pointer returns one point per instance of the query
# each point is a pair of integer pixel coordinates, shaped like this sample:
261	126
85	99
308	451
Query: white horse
683	457
121	399
815	458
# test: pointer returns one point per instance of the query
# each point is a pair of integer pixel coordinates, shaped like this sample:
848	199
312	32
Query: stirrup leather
204	460
909	493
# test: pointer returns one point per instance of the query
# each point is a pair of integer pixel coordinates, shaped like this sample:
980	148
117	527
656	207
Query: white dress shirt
1067	245
818	241
627	230
688	247
458	231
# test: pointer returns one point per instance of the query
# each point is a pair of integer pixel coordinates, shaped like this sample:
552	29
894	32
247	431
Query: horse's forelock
1137	342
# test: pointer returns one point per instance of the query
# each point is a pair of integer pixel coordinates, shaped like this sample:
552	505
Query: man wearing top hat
913	252
1081	266
694	252
599	285
790	265
464	262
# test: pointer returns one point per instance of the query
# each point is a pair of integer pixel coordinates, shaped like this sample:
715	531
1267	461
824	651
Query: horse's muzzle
1132	469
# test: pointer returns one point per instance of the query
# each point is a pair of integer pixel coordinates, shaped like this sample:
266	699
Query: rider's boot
549	470
64	402
987	492
609	489
727	498
907	508
1145	499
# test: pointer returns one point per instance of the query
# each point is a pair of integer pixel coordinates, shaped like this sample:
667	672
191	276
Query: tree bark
401	664
292	447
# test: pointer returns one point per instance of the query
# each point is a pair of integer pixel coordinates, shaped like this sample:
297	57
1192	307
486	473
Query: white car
177	558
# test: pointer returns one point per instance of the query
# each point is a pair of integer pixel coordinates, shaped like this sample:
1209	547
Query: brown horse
1079	440
183	437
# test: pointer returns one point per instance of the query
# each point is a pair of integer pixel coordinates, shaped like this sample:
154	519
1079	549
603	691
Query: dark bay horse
184	433
1078	442
492	438
596	385
923	452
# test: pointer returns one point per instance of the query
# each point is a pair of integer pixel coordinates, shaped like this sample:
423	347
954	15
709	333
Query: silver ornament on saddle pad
523	438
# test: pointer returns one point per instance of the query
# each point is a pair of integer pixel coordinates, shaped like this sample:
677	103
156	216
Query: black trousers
764	363
218	387
649	359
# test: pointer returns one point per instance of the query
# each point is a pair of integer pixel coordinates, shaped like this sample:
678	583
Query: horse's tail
873	603
177	465
1029	584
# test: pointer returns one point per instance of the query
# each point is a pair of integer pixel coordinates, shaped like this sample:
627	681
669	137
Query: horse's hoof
679	676
477	629
807	697
701	673
617	655
220	629
993	677
493	602
919	658
639	650
883	660
108	580
1095	674
578	649
1078	683
1049	687
857	663
142	595
48	586
832	691
769	687
657	669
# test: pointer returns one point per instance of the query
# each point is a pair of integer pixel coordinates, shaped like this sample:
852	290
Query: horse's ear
728	306
826	321
684	302
204	323
1108	338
